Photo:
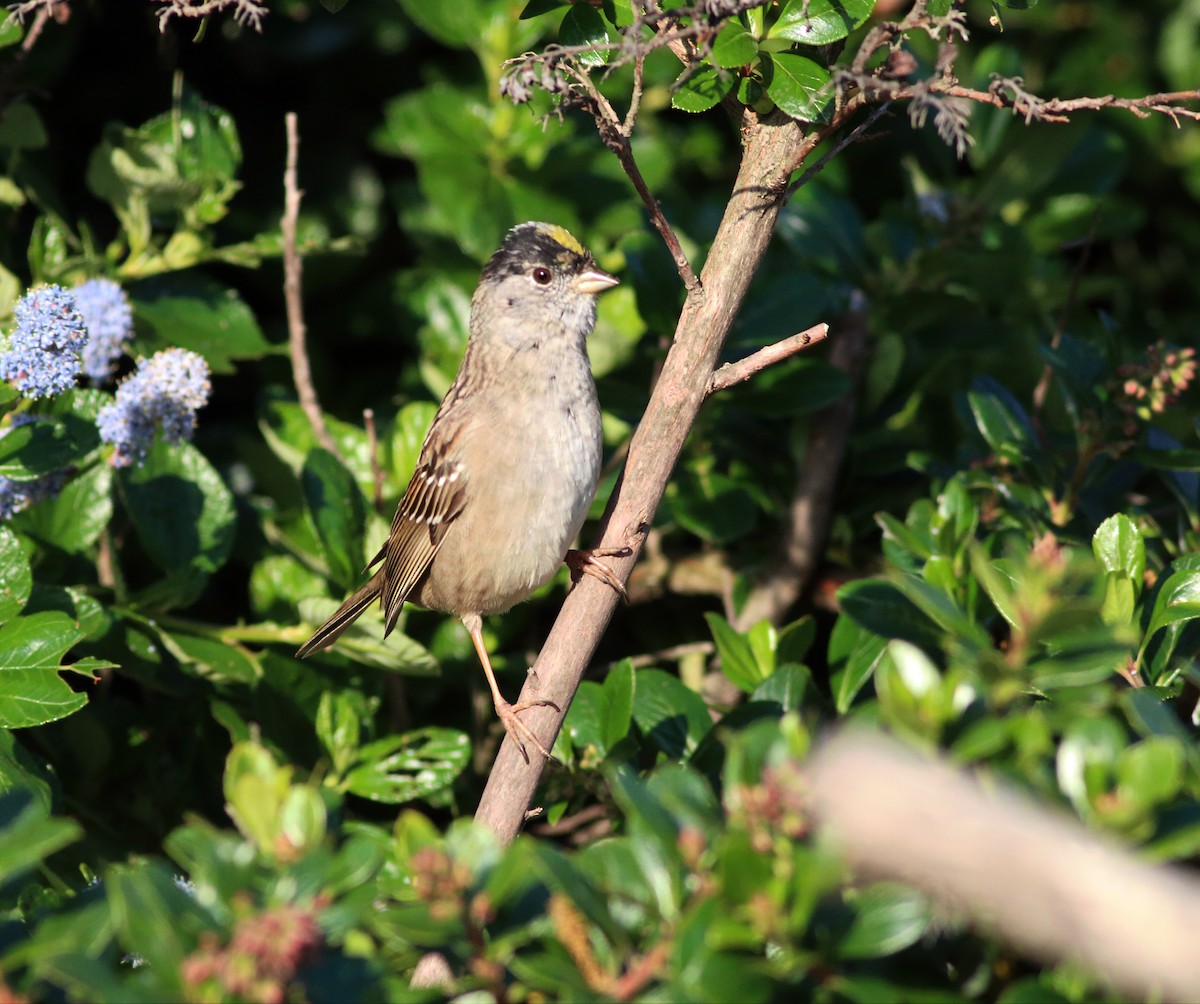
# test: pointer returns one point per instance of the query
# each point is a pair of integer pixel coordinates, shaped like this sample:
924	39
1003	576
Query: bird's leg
507	713
582	562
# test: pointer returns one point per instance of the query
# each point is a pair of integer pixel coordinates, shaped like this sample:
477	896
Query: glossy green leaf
800	87
583	26
184	513
76	517
335	507
734	46
1178	600
882	608
672	716
409	766
213	659
45	446
16	578
198	314
701	89
738	659
820	22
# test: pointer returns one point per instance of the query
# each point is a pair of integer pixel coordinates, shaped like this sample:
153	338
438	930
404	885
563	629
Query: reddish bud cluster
261	960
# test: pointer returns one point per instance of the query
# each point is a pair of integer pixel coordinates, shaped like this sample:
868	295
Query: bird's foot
588	562
520	732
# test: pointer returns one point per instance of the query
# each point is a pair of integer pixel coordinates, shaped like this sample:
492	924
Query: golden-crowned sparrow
510	464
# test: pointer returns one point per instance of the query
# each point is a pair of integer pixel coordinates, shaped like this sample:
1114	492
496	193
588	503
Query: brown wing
433	500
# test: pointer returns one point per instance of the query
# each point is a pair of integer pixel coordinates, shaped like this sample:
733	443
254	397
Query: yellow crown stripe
565	239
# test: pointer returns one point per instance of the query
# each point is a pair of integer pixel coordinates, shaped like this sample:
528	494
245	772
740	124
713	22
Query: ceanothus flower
109	319
16	496
43	355
164	393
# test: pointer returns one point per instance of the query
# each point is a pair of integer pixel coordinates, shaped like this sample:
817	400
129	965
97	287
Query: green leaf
820	22
335	506
213	659
28	834
734	46
194	312
739	662
155	918
888	918
21	128
1007	432
700	90
854	654
785	687
583	25
620	687
800	87
339	727
795	640
184	513
45	446
535	8
1178	600
1151	772
671	715
16	578
714	507
881	607
11	31
74	519
1118	546
413	765
31	652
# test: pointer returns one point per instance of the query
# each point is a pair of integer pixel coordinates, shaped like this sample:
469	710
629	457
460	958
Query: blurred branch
1037	878
292	270
811	508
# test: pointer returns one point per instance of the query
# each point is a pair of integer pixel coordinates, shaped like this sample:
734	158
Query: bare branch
743	369
292	269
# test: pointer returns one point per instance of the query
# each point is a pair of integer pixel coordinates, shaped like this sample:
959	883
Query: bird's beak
594	281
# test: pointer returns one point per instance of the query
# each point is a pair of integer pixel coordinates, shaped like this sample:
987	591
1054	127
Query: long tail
346	614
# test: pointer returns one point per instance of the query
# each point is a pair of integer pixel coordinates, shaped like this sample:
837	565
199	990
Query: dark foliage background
1000	560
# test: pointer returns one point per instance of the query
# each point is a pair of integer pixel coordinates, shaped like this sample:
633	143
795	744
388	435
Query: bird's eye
542	276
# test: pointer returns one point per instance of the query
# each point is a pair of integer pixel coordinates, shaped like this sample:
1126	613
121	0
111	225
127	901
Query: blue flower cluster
164	393
18	495
109	319
43	357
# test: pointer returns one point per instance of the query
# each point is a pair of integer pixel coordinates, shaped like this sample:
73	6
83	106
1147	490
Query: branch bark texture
770	148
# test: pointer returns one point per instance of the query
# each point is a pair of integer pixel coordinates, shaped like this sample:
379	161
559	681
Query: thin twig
292	269
743	369
853	136
616	137
373	453
31	36
1043	384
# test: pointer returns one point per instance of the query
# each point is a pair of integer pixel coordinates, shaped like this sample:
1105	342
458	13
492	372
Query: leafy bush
972	523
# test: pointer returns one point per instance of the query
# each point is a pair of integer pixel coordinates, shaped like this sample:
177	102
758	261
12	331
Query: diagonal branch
708	313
